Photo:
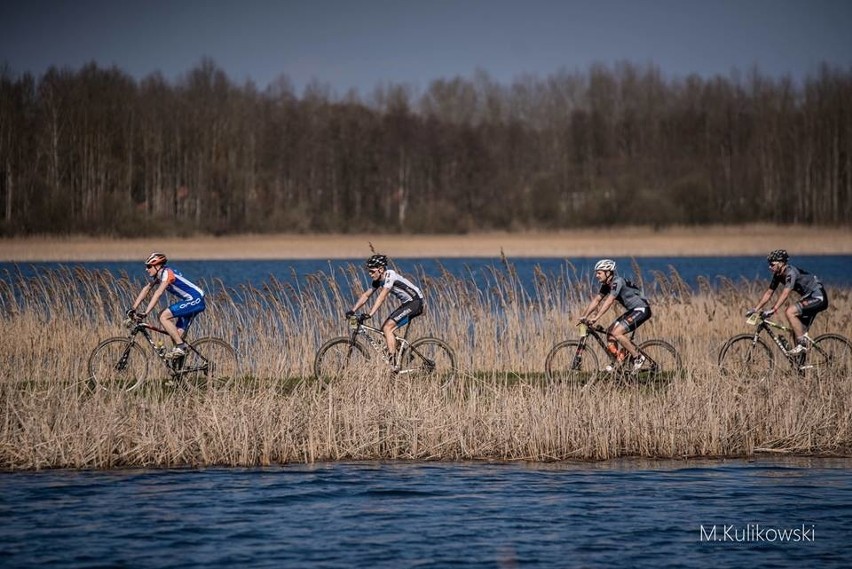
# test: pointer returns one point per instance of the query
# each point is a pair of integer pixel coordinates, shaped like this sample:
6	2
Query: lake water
833	270
794	512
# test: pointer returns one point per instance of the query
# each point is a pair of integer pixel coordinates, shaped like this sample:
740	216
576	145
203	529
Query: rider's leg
622	335
388	328
168	322
792	313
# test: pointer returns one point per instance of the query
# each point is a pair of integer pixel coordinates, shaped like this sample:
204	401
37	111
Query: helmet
778	255
377	261
605	265
156	259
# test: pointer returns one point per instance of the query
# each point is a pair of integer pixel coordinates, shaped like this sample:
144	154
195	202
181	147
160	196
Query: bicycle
343	355
121	363
750	354
572	361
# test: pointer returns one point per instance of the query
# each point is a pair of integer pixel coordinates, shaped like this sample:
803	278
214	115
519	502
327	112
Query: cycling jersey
798	280
399	286
625	292
179	285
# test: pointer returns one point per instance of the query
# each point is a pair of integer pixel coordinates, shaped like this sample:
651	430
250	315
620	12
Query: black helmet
779	255
377	262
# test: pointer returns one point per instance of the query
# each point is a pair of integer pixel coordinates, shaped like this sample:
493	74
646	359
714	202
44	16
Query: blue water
833	270
612	514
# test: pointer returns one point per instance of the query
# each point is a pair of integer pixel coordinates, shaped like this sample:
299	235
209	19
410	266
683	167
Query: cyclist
617	288
801	314
388	281
177	317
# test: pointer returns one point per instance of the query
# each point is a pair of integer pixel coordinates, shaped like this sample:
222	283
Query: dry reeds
499	410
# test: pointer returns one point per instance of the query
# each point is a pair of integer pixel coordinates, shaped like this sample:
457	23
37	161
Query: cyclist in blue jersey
387	281
177	317
800	314
616	288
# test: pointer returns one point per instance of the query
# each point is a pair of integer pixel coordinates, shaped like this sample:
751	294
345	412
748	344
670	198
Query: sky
361	44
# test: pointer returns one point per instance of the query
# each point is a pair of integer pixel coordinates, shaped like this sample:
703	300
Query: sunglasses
150	266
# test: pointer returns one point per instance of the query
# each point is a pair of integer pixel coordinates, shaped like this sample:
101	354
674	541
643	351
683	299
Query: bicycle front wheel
117	364
338	358
571	362
746	356
663	360
209	363
431	358
830	355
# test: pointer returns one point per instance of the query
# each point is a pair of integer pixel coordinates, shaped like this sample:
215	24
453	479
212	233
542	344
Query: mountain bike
122	363
752	355
579	360
426	357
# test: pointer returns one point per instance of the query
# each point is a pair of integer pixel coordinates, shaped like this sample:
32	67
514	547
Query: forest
95	151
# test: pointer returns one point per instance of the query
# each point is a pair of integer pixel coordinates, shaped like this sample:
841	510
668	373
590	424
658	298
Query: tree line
96	151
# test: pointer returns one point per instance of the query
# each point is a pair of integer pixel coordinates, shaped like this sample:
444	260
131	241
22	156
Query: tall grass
500	410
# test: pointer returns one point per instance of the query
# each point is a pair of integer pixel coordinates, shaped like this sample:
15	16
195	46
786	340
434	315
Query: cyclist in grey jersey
613	289
800	314
387	282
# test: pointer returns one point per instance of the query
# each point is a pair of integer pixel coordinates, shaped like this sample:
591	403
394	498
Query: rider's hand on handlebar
750	311
767	313
363	318
349	314
140	316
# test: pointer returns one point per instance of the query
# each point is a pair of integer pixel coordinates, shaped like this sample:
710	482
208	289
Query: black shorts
406	312
811	305
632	319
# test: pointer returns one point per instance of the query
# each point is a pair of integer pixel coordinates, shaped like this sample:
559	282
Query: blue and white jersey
399	286
179	286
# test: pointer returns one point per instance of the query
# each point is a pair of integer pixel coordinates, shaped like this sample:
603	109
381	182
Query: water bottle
160	347
784	342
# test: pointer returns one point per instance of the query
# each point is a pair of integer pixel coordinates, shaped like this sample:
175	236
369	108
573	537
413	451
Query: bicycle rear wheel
664	361
117	364
571	362
338	358
209	363
830	355
430	358
746	356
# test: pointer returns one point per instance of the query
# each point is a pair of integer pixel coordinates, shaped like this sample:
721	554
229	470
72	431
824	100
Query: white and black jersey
399	286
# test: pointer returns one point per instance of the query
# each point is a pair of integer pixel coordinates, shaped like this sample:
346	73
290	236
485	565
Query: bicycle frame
379	345
599	333
763	325
175	366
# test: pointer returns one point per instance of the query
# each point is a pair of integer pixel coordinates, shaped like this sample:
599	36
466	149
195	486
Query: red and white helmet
156	259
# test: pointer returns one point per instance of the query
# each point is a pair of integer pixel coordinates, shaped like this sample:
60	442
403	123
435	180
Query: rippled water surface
612	514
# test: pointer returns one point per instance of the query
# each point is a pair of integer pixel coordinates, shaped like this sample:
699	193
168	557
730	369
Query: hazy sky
362	43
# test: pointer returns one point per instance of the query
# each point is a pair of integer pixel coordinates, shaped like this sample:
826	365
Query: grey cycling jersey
625	292
399	286
799	280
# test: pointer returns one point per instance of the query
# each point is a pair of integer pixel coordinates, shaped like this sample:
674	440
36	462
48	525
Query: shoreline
619	242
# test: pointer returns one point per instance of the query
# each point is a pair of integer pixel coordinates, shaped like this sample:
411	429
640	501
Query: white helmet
605	265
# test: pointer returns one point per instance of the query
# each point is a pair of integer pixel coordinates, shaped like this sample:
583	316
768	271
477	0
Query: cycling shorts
632	319
406	312
811	305
185	310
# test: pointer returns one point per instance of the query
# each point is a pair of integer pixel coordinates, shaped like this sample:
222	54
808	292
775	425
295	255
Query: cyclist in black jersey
800	314
616	288
387	281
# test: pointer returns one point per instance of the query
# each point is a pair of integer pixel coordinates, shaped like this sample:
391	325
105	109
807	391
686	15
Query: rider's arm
764	299
156	296
782	298
603	308
591	308
145	290
363	299
383	294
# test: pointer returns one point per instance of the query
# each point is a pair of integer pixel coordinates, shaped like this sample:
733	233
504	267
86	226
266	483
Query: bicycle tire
566	363
211	363
666	361
831	355
745	356
339	357
431	358
117	364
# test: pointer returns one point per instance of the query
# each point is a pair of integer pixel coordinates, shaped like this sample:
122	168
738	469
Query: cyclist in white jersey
387	281
615	288
177	317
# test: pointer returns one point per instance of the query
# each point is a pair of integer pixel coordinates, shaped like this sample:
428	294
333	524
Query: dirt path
737	240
